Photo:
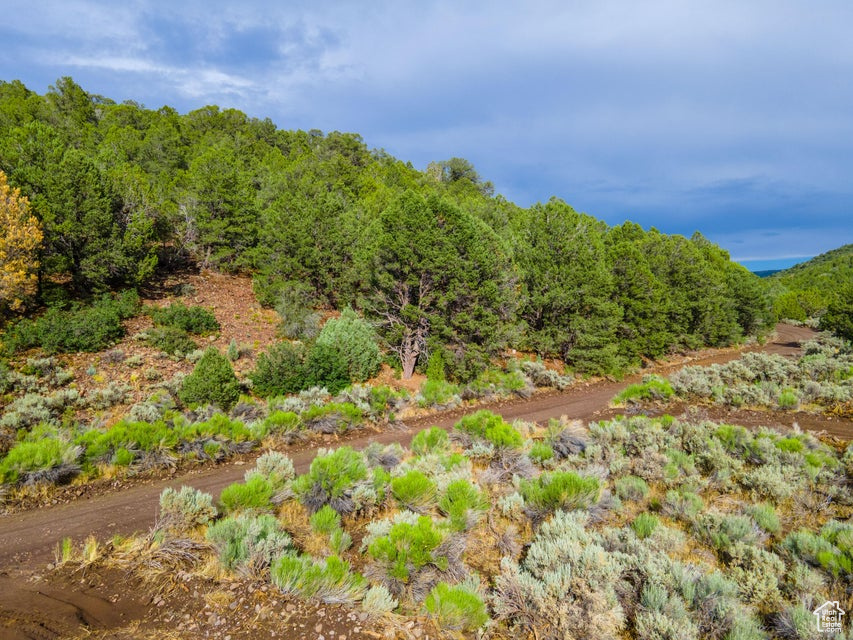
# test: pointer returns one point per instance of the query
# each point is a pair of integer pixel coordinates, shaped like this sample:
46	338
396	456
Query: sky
728	117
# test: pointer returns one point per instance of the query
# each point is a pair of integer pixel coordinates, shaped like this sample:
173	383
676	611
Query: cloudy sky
734	118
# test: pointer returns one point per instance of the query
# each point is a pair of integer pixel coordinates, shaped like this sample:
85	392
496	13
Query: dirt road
30	538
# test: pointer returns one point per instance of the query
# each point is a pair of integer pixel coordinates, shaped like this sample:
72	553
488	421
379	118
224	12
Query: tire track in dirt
29	538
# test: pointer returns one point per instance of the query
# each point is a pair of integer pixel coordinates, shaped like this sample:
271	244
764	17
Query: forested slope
433	258
807	289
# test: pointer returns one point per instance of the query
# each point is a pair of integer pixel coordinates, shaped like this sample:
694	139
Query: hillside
433	259
188	293
824	272
806	289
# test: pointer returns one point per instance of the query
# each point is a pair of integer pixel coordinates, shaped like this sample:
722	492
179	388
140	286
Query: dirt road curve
30	538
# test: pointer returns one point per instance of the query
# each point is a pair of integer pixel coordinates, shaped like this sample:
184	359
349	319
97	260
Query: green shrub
735	439
838	317
723	531
355	339
29	458
197	320
791	445
631	488
122	457
329	581
494	380
334	417
788	399
652	388
129	435
408	548
171	340
325	366
255	494
681	503
331	479
491	427
461	500
280	370
219	425
248	541
560	490
432	440
414	490
832	549
540	452
680	464
436	367
436	393
816	459
765	517
325	520
340	540
840	560
294	305
91	328
456	608
185	509
211	382
645	524
281	422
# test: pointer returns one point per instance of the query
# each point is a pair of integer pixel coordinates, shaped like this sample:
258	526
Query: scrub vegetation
422	264
651	528
819	380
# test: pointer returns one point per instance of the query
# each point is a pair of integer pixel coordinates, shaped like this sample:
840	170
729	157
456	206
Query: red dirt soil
29	539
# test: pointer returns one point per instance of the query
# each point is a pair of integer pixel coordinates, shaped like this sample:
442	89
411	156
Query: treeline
435	260
819	288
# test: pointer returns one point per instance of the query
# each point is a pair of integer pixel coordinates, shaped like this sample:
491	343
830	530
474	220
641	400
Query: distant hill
824	272
766	273
804	290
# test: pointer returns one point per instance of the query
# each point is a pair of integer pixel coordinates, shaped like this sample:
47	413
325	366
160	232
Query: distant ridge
823	273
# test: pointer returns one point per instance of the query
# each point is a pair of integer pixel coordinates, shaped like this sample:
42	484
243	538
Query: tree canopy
20	239
433	258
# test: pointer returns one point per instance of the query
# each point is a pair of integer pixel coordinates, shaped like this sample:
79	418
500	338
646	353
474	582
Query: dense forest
433	259
819	288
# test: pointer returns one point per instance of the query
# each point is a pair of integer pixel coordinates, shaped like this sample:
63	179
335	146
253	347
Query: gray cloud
726	116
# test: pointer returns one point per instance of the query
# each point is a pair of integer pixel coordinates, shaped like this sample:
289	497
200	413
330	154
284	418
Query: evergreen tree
439	279
567	287
839	314
642	330
355	339
211	382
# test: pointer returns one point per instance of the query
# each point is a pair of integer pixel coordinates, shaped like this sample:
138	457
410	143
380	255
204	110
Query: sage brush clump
249	542
331	480
185	509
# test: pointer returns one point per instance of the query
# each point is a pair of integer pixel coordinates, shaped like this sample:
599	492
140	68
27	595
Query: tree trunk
414	342
408	359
